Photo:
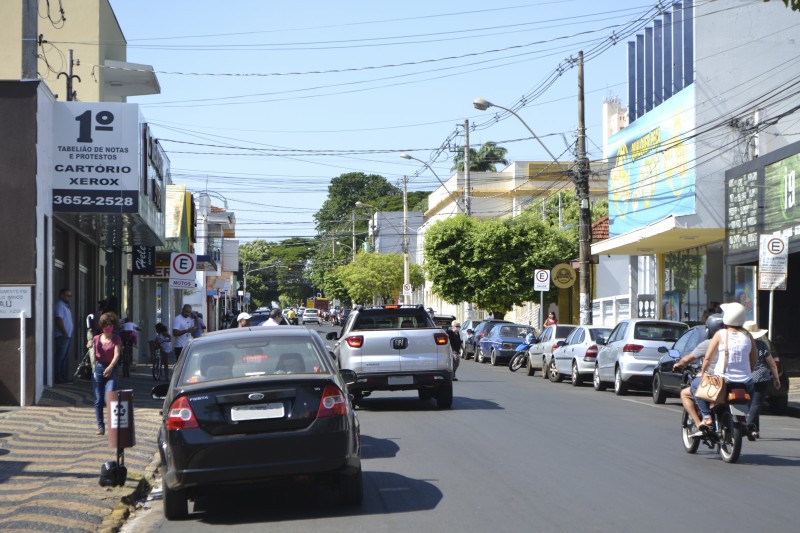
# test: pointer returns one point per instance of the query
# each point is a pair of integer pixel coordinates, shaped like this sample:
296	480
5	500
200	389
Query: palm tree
482	160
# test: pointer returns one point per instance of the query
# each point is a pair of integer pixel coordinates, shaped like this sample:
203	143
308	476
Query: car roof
235	333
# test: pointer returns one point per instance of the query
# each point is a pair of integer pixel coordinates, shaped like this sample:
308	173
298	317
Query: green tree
482	160
276	270
793	4
334	217
375	276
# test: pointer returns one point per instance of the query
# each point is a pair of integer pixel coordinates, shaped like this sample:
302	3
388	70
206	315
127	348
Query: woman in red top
551	319
107	350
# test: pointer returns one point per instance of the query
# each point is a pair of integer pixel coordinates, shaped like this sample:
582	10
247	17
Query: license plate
401	380
257	412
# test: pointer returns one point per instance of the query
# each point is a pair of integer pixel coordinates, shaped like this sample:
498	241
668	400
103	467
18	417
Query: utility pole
406	273
353	214
467	181
582	190
69	75
30	27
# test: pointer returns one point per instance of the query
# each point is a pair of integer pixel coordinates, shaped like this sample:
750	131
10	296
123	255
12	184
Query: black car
257	405
256	319
473	342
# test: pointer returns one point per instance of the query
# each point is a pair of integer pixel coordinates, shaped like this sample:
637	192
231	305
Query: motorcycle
729	424
520	358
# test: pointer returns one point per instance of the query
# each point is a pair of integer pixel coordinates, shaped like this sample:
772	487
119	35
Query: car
443	321
540	354
464	333
310	316
257	318
629	356
472	346
257	406
667	383
502	340
576	355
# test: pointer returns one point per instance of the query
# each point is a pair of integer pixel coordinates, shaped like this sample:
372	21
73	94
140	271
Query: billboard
652	174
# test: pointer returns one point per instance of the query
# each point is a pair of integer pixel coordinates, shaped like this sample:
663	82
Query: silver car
577	354
631	353
540	354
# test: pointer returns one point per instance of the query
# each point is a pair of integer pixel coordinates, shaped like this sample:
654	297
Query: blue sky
264	102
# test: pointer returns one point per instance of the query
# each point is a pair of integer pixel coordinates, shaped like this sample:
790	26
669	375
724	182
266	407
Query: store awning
670	234
113	230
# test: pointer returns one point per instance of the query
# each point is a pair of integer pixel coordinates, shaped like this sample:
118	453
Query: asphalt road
519	453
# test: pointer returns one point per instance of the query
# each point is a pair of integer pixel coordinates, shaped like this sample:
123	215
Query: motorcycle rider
741	354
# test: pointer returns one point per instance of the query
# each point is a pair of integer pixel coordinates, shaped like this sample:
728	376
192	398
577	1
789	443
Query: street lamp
374	228
457	202
582	190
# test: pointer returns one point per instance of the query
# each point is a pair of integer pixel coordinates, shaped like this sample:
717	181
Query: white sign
773	263
407	287
182	266
120	415
541	280
96	157
182	284
14	300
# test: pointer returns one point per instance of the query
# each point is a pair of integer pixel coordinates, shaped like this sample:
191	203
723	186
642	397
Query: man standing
182	328
243	320
455	345
63	334
275	318
202	325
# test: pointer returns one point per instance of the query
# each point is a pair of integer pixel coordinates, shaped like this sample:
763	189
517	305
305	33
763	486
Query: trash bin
119	419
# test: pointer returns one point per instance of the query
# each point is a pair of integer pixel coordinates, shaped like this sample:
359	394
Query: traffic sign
541	280
182	266
407	287
773	263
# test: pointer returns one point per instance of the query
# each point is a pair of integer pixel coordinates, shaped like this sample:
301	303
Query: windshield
272	355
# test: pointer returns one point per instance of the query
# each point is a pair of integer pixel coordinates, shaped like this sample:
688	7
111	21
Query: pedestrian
182	328
243	320
202	326
551	319
164	343
275	318
455	345
107	352
63	334
764	370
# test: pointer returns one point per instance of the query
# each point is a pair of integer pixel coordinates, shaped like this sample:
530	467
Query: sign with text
144	260
773	263
14	300
182	269
96	158
564	276
541	280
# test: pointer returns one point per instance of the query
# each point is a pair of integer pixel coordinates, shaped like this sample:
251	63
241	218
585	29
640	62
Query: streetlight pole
457	202
406	272
246	272
373	228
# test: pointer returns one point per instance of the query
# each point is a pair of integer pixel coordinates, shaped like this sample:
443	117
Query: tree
793	4
375	276
344	191
276	270
483	160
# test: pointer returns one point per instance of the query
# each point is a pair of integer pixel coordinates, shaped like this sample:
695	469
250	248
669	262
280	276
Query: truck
317	303
393	348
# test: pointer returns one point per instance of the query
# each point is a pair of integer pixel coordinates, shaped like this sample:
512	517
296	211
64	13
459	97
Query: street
519	453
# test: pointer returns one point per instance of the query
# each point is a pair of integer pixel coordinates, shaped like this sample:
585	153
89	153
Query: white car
310	316
631	353
577	354
541	352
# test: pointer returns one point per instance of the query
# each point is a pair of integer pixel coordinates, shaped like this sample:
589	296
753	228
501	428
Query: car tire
620	387
576	379
357	396
552	372
544	367
778	405
444	396
493	358
659	396
596	382
176	506
425	394
351	488
529	366
479	355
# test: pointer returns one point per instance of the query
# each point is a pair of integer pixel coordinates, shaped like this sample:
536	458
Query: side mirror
349	376
561	343
602	341
663	349
470	331
332	336
159	392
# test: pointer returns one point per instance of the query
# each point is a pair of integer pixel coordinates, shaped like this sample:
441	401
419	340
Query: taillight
482	334
332	403
441	338
507	345
635	348
553	348
356	341
591	351
181	415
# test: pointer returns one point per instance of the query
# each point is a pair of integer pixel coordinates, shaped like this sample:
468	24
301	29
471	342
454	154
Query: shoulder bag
714	388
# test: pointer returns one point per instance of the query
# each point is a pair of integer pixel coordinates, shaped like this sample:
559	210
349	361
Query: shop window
685	296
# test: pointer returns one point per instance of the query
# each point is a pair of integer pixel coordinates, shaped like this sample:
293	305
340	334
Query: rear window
513	331
563	331
311	312
273	355
655	331
399	318
599	332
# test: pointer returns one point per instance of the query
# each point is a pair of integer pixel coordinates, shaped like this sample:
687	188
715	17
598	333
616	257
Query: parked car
472	345
577	354
667	383
631	353
310	316
462	332
541	353
257	405
501	342
443	321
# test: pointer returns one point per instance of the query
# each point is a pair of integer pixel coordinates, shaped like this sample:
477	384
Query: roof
600	229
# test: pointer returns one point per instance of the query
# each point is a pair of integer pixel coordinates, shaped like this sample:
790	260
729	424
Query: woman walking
765	371
107	350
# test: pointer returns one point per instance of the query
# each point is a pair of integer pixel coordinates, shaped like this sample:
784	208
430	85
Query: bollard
119	419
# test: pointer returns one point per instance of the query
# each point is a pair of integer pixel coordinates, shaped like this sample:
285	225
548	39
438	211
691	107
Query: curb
128	503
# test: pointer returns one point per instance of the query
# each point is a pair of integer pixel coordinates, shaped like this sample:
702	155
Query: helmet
713	324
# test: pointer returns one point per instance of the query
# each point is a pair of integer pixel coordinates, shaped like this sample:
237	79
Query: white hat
733	314
752	327
243	316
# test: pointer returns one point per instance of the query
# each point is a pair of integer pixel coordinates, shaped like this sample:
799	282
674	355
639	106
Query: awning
113	230
670	234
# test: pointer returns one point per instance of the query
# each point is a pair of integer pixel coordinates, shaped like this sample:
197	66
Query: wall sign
13	300
144	260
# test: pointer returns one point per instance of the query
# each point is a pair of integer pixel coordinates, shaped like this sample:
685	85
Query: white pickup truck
396	347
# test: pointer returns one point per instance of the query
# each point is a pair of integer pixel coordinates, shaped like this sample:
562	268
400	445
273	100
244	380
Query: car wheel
529	367
576	378
494	358
176	506
351	488
425	394
479	355
598	385
444	397
620	387
544	367
778	405
659	396
357	396
552	371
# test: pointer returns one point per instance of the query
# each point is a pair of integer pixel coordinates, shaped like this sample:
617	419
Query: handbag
714	388
84	370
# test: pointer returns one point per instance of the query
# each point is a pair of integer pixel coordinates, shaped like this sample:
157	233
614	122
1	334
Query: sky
263	103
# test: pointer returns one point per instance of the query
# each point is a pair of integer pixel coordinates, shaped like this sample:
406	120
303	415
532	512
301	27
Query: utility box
119	419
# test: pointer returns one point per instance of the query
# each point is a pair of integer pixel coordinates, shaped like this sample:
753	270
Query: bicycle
127	354
159	362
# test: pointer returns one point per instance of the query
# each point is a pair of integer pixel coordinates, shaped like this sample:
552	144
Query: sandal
707	422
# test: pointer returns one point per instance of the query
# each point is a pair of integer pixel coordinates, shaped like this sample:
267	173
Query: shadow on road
407	403
372	448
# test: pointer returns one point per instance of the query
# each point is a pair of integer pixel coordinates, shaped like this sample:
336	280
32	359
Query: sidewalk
794	397
50	460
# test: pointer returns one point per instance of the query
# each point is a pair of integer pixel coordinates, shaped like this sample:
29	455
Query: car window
548	332
681	343
599	332
658	331
618	332
563	331
576	337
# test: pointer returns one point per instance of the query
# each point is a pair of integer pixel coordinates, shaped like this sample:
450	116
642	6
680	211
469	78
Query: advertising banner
96	160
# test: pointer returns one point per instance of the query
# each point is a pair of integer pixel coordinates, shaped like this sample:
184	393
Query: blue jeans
101	386
62	349
703	406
